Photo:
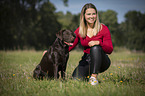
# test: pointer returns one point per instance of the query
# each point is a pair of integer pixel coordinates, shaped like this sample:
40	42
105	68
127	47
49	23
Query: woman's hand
92	43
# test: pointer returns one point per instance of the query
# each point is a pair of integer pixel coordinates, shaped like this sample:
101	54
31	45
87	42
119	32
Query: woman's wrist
92	43
97	42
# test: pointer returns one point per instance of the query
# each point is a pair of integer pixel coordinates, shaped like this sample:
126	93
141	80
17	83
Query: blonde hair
83	25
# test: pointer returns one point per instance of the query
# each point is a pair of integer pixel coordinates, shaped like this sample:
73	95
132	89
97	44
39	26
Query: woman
96	40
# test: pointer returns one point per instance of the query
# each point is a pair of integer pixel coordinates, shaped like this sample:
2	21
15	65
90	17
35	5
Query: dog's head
67	36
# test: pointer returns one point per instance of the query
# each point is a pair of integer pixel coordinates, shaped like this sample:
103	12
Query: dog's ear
59	34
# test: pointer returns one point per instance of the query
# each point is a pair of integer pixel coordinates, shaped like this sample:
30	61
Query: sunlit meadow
125	77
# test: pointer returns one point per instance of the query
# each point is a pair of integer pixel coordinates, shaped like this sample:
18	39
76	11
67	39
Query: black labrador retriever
56	57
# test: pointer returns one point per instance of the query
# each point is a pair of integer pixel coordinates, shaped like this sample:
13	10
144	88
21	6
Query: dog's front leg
55	71
64	67
63	71
63	74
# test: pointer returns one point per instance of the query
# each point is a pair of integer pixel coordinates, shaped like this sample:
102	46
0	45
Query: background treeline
32	24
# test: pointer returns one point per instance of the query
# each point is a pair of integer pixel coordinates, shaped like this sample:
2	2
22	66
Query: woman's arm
75	41
106	43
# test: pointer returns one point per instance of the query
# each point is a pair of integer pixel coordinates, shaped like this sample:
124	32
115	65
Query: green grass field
125	77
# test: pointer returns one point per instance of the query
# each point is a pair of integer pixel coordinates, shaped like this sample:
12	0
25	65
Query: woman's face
90	16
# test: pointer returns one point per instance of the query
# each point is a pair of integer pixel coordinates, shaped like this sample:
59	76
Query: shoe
93	80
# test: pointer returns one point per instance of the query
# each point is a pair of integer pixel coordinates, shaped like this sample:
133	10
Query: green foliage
134	31
125	77
27	24
46	26
75	22
109	18
32	24
65	2
64	19
68	20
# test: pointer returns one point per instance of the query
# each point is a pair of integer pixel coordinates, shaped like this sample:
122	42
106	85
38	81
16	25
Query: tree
134	31
64	19
27	24
65	2
75	22
12	20
44	28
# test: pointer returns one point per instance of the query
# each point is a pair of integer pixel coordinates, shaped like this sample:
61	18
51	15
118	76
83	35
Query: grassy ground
125	77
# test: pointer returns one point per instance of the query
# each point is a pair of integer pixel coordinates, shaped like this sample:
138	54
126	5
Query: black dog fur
56	57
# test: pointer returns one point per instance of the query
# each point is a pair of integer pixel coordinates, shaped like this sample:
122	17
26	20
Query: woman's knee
96	48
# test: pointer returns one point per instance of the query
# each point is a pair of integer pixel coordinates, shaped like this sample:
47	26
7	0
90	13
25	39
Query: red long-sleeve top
103	36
